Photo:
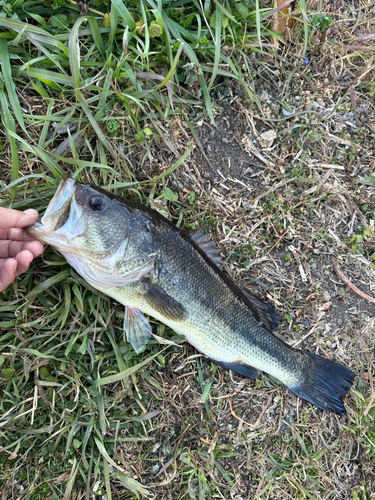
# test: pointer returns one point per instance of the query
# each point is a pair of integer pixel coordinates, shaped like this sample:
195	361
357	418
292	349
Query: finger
9	248
13	218
7	273
23	259
14	234
35	247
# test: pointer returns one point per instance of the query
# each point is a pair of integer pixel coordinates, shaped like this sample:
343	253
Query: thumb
13	218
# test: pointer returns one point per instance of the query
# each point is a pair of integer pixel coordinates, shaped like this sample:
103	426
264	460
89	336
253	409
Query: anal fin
241	368
137	328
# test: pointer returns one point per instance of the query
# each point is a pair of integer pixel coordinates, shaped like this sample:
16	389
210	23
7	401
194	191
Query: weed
321	21
95	96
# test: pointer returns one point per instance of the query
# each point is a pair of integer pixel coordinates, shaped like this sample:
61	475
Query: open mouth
57	212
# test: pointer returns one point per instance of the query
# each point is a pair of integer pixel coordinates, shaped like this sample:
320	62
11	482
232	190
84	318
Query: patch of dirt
284	211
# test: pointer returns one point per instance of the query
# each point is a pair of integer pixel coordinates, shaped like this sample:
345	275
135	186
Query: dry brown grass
283	211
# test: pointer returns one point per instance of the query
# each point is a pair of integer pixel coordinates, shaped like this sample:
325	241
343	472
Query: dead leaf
63	477
325	306
266	139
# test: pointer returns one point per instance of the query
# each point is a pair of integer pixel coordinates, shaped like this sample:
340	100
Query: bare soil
283	213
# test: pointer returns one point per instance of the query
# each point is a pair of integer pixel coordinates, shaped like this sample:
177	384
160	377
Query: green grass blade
111	379
225	11
10	126
96	35
131	484
46	125
45	37
258	23
95	126
46	75
173	68
6	71
159	177
306	25
124	13
112	30
42	154
176	31
74	55
146	33
217	46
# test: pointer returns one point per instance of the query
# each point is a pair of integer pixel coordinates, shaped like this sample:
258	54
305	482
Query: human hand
17	249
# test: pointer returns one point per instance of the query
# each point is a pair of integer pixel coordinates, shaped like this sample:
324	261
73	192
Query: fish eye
97	204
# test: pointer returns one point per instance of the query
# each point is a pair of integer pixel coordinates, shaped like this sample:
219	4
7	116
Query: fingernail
29	211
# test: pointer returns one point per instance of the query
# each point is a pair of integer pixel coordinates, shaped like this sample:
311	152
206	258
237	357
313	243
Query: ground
284	181
282	222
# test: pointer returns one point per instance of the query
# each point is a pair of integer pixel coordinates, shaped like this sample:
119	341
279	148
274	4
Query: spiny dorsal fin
163	303
208	246
268	317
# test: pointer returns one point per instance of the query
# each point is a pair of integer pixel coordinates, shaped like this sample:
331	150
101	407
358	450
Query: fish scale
139	258
225	316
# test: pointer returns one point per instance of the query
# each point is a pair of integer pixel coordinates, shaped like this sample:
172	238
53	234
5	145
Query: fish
142	260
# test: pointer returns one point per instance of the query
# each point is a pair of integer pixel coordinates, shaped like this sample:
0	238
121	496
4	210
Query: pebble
155	448
166	449
154	469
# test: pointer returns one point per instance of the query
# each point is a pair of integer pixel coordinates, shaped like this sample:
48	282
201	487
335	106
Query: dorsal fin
268	318
208	246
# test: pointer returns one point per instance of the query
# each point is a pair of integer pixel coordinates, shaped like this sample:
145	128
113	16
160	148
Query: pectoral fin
163	303
137	328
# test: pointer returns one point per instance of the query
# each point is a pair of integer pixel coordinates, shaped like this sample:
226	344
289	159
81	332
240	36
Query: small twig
300	267
234	415
205	442
307	334
88	9
243	38
277	242
354	106
225	396
368	408
253	426
250	148
350	284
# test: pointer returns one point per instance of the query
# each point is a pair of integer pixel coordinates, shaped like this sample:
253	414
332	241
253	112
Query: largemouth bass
139	258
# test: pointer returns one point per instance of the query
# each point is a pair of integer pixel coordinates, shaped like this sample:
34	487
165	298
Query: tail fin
324	384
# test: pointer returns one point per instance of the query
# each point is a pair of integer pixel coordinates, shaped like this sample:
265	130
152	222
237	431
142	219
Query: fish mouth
57	212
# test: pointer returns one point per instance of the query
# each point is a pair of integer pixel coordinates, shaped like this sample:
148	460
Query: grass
107	96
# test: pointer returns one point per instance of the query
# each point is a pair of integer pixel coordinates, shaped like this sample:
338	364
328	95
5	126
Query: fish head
93	231
81	219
